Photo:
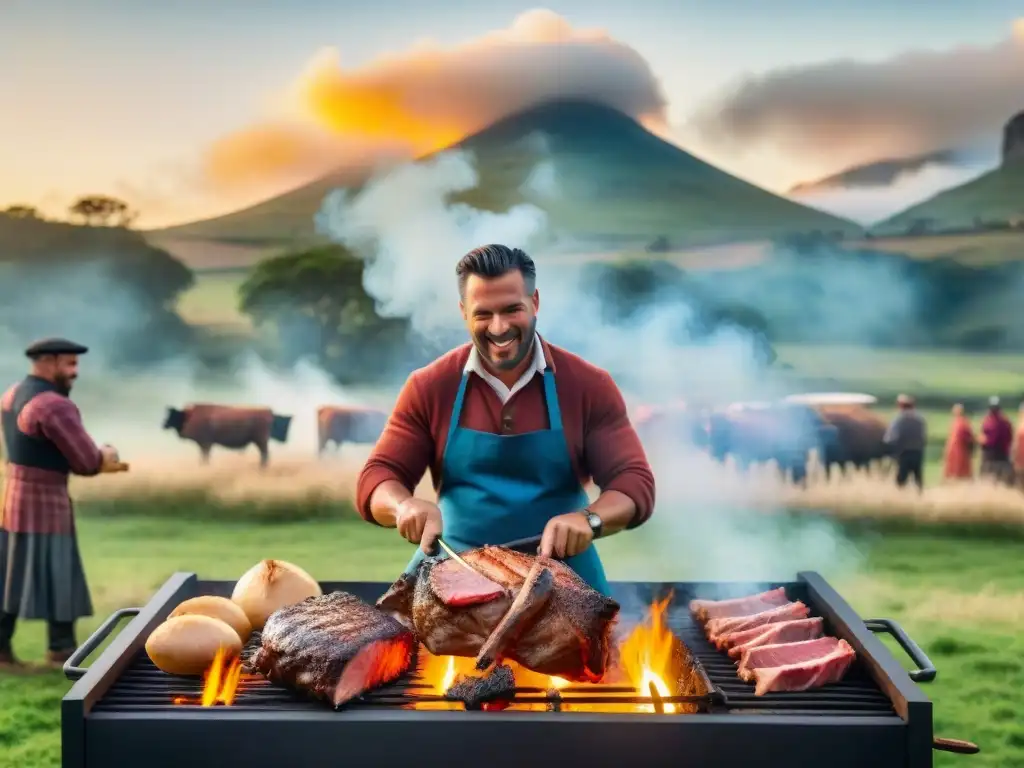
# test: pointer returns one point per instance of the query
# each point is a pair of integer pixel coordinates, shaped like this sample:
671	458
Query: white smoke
705	524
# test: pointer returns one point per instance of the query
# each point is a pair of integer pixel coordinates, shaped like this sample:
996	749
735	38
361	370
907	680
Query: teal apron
500	488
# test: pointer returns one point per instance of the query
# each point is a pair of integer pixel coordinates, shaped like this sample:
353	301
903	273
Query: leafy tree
102	210
18	211
316	301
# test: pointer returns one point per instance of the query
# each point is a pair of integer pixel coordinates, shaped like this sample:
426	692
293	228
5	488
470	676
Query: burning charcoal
499	683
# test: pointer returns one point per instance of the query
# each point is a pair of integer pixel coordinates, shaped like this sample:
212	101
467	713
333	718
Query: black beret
54	347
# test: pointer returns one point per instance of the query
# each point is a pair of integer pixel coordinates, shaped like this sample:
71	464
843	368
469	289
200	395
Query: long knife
454	556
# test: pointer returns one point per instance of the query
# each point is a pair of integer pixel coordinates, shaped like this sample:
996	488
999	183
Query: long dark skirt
41	577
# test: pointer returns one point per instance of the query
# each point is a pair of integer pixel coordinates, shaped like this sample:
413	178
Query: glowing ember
220	683
647	655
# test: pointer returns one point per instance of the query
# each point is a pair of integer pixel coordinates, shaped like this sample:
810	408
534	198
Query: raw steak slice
805	675
719	629
560	626
497	685
783	632
459	587
705	610
781	654
334	647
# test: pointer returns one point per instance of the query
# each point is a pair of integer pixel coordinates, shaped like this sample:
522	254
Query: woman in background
959	447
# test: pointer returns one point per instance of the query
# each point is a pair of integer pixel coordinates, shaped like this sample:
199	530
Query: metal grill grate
143	687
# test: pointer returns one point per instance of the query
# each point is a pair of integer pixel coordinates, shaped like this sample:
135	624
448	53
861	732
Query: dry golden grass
297	476
236	477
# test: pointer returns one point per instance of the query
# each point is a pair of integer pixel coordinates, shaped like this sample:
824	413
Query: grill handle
71	669
925	671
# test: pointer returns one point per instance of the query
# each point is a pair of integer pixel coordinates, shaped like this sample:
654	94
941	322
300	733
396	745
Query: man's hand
418	521
566	535
111	458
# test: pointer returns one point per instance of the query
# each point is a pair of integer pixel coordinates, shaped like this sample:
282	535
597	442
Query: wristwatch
596	523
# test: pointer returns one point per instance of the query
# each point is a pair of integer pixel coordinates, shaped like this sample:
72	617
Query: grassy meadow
959	596
946	564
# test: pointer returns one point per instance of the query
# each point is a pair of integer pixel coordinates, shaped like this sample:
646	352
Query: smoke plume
705	524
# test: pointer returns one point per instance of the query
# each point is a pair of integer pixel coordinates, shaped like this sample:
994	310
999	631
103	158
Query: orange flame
647	656
220	682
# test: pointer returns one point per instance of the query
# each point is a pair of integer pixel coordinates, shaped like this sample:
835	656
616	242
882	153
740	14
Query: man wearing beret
41	574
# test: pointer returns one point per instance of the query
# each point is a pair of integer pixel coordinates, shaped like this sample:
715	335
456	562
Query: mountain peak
1013	139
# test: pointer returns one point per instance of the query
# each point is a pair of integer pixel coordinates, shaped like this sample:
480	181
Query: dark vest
27	450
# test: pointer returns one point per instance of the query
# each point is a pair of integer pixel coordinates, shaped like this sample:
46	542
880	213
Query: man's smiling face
501	316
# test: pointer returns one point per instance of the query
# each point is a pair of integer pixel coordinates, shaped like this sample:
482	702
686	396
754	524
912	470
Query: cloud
842	113
430	96
871	204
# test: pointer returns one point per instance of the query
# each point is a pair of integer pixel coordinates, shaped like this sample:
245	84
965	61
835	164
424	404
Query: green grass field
959	596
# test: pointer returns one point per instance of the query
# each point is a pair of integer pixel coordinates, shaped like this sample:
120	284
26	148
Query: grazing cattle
348	424
228	426
860	437
785	434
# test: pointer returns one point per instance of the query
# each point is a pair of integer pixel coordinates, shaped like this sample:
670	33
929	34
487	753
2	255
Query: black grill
123	712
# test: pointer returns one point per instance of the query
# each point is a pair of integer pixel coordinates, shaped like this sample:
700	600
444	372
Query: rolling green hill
618	184
995	196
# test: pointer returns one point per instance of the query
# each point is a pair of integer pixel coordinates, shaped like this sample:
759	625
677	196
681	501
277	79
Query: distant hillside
996	196
881	173
618	182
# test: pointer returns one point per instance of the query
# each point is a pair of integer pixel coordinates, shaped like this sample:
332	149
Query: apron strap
457	409
551	397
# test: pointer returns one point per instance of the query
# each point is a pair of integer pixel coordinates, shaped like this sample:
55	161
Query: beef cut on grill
529	609
333	646
721	631
776	643
803	675
499	684
783	632
706	610
783	654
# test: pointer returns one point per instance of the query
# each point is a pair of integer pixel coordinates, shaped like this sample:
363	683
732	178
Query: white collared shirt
475	365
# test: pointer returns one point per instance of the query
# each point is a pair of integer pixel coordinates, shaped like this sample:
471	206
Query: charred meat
532	610
497	685
334	646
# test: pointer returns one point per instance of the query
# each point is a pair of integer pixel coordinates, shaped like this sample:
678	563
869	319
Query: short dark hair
494	261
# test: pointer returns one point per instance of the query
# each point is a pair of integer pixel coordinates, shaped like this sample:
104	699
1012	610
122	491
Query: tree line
91	210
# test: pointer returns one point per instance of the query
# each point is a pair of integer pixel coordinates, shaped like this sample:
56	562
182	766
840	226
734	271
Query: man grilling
511	428
41	574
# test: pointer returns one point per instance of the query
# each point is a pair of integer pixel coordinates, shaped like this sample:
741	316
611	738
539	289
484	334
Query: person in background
996	441
905	439
41	573
959	447
1018	449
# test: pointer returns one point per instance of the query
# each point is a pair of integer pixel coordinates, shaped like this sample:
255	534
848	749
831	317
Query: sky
194	108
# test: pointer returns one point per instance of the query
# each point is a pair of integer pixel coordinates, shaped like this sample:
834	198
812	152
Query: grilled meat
772	634
497	685
334	647
706	610
560	626
783	654
804	675
721	631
